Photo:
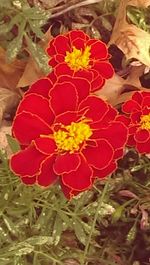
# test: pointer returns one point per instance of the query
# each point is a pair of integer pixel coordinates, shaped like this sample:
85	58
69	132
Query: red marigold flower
137	109
68	138
76	54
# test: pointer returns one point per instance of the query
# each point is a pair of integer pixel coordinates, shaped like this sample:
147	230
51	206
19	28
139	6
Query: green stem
101	198
49	257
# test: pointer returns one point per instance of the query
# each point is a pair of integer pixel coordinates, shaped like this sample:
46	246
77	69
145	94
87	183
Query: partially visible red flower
76	54
66	137
137	110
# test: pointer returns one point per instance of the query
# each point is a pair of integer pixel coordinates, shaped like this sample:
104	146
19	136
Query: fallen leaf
135	73
112	89
8	100
5	129
117	90
10	73
133	41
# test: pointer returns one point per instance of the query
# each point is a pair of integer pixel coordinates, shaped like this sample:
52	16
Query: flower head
73	139
76	54
137	109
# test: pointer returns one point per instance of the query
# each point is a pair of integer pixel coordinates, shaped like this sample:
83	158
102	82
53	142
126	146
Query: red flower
76	54
68	138
138	111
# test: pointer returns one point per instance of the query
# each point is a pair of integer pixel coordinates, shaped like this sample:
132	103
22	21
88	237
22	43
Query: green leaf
36	13
21	248
57	229
39	240
106	23
117	214
13	143
34	25
38	55
79	232
15	45
13	48
10	225
132	234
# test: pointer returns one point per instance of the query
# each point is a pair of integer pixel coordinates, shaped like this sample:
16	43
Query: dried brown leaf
112	89
133	41
10	73
5	129
8	100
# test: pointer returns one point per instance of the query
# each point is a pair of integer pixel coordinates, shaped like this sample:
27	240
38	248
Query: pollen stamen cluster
78	59
145	122
71	137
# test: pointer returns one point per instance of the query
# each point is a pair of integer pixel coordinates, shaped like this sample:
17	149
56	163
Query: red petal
82	85
78	44
145	93
52	78
133	128
52	62
105	171
58	58
66	190
130	106
104	68
98	49
38	105
63	97
111	134
97	83
119	153
110	114
96	108
142	136
47	176
137	97
143	148
135	117
69	193
66	118
131	142
66	163
146	101
63	69
123	119
74	34
85	74
51	49
27	162
27	127
80	179
29	180
41	87
61	44
100	156
45	145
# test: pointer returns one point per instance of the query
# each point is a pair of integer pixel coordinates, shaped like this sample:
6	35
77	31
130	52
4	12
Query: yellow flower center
71	137
78	59
145	122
